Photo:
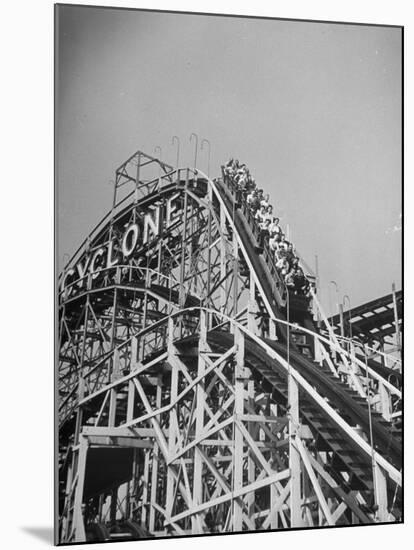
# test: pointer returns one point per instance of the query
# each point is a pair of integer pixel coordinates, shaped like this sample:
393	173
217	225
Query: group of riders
270	233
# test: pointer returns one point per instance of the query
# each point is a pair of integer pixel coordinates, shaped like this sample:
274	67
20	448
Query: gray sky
313	109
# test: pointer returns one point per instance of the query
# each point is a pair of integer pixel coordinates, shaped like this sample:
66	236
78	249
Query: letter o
128	249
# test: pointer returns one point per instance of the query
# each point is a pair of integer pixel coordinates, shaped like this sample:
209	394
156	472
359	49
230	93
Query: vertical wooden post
238	436
294	456
396	323
252	324
235	273
172	436
318	352
68	499
272	329
251	428
134	352
78	522
112	408
209	224
183	248
131	399
224	283
381	494
385	401
155	458
145	490
199	411
113	332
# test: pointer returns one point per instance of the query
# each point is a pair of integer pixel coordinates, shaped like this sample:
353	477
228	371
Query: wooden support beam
252	429
275	507
145	489
319	493
381	494
385	400
112	408
350	501
199	415
276	477
155	465
78	521
115	442
238	436
296	519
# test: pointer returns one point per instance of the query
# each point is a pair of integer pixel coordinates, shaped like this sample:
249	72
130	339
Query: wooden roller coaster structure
196	394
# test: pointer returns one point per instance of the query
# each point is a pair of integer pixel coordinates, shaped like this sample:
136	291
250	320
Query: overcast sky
313	109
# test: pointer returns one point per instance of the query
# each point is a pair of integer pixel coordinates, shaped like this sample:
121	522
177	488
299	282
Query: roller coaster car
298	303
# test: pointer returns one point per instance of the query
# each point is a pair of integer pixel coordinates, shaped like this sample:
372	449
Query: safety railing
153	338
390	361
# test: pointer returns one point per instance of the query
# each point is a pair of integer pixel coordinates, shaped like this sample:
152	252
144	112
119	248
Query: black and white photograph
229	287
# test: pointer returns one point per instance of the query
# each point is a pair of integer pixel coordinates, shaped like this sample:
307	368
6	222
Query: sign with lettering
119	250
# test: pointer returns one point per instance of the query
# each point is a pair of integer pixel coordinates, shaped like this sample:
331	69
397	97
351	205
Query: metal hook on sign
209	154
196	148
178	149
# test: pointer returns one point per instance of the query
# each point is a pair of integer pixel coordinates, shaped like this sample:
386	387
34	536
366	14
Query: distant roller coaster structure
198	394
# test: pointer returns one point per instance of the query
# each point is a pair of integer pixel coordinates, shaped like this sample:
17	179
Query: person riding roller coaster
237	176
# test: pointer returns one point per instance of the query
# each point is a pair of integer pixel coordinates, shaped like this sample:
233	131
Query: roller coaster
197	393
